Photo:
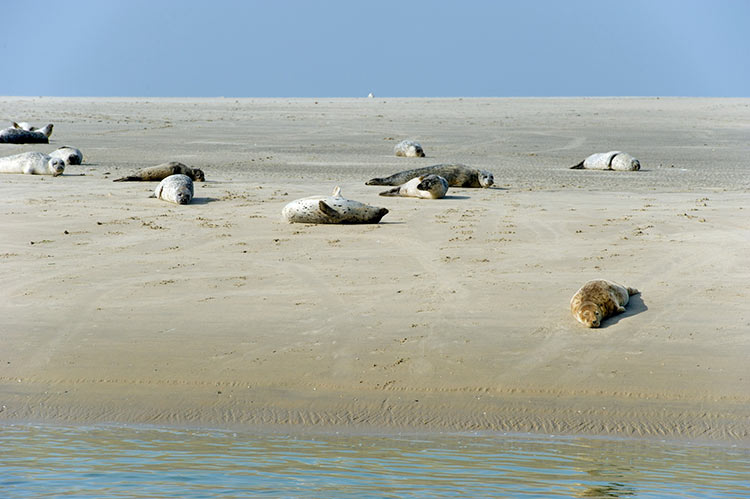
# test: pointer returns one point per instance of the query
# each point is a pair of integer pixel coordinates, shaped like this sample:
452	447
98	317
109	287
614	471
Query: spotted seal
32	163
15	135
162	171
612	160
425	187
409	149
599	299
70	155
175	189
333	209
457	175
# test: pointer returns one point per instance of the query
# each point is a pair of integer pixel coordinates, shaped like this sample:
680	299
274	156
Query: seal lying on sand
426	187
612	160
70	155
32	163
457	175
333	209
175	189
409	149
20	136
599	299
47	130
162	171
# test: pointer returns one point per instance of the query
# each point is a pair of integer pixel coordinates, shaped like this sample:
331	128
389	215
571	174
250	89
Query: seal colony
333	209
162	171
599	299
176	189
32	163
14	135
425	187
612	160
457	175
409	149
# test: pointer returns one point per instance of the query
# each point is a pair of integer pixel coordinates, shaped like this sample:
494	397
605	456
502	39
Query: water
106	461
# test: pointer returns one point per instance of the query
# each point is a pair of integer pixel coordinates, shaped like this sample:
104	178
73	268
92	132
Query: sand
449	315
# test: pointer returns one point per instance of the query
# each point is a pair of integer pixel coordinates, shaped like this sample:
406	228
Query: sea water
139	462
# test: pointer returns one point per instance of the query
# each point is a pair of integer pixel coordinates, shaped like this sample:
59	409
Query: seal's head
636	165
486	179
199	175
183	197
56	166
589	314
434	184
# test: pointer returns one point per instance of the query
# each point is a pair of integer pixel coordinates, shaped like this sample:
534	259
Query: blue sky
296	48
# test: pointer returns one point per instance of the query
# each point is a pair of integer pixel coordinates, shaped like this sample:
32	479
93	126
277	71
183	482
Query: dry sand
449	315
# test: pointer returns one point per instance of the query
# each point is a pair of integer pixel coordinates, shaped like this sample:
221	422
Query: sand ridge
449	314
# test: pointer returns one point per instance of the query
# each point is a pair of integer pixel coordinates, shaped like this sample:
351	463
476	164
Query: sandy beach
449	315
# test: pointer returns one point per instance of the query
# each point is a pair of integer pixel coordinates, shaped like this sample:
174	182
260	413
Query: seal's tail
125	179
633	291
579	166
391	192
375	181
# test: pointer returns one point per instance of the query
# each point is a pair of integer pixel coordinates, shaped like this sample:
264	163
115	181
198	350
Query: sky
348	48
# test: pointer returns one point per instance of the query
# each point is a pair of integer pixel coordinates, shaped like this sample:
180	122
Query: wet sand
449	315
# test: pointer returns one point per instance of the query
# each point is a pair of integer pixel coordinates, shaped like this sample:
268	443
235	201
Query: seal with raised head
333	209
175	189
70	155
46	130
32	163
409	149
162	171
599	299
15	135
457	175
612	160
425	187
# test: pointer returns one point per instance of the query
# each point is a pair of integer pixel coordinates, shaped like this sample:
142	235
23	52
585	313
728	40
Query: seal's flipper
336	192
328	211
633	291
392	192
375	181
126	179
579	166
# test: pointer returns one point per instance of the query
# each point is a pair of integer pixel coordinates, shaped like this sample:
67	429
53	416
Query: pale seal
333	209
15	135
162	171
32	163
409	149
47	130
70	155
612	160
457	175
175	189
425	187
599	299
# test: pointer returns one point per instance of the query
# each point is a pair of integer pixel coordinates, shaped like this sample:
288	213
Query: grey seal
599	299
175	189
32	163
457	175
162	171
15	135
425	187
70	155
612	160
333	209
409	149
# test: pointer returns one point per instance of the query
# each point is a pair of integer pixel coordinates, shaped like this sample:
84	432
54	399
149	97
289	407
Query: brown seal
162	171
599	299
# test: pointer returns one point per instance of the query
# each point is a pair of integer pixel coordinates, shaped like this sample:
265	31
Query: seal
162	171
409	149
70	155
425	187
599	299
457	175
612	160
32	163
175	189
333	209
47	130
15	135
